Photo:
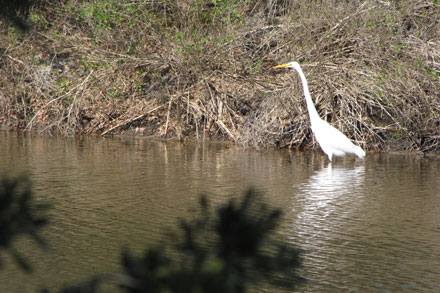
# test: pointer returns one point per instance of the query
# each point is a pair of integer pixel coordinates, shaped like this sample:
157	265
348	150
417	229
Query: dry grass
198	69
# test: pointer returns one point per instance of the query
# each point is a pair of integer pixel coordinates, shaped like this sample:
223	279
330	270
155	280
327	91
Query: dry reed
198	69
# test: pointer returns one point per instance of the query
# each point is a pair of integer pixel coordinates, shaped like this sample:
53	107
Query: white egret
332	141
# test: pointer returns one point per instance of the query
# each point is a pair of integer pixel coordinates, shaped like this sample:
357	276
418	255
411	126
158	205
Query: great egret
332	141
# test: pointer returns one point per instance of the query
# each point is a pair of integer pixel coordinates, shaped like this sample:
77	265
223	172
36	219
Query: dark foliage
15	11
224	252
227	250
19	215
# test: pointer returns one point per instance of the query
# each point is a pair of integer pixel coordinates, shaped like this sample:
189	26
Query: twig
341	23
223	126
131	120
219	107
76	95
168	116
29	125
16	60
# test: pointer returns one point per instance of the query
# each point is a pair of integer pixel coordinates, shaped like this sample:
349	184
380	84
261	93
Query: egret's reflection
326	200
331	183
325	217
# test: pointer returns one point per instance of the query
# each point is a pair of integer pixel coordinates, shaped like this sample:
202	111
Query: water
371	227
364	226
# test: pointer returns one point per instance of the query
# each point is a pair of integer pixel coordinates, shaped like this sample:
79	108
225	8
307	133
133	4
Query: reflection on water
329	190
368	225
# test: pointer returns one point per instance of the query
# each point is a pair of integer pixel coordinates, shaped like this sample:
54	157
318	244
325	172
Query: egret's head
292	64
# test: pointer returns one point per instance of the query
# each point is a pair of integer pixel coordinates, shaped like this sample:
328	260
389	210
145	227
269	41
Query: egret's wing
330	137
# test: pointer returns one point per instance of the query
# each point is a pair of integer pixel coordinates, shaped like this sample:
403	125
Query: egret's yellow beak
281	66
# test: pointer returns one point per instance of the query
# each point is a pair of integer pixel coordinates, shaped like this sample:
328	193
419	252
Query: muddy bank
202	69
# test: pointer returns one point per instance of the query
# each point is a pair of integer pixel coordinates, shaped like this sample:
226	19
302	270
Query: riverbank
202	69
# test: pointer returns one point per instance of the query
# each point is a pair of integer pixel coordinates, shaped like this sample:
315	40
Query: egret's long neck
313	114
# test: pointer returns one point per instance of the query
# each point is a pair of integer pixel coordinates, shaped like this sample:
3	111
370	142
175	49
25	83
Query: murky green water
364	226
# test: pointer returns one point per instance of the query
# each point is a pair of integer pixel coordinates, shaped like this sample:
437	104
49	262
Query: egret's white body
332	141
